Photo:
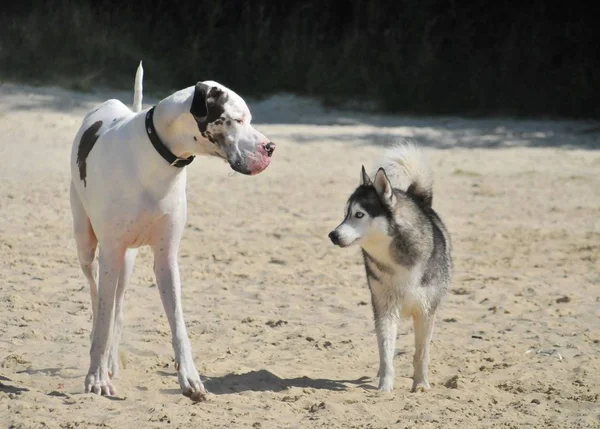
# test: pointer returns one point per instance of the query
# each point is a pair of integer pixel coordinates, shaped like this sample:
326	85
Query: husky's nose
334	237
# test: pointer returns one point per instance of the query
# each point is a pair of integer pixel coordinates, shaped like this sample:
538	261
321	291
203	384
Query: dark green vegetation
416	57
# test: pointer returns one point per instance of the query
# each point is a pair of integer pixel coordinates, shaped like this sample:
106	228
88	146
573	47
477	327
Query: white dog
128	181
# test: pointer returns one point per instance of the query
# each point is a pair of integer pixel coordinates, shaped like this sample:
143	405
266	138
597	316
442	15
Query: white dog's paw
386	384
113	365
420	386
190	383
98	382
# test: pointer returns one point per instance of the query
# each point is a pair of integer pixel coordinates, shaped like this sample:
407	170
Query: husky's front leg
423	324
386	328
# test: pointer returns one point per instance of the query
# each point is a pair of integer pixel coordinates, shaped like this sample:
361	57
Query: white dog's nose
269	148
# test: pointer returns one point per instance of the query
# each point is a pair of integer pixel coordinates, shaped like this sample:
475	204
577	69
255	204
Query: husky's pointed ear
364	177
383	186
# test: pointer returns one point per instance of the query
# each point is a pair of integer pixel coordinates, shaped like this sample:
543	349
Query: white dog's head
223	118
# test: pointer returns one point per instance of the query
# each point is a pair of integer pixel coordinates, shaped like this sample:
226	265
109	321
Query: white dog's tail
137	89
407	169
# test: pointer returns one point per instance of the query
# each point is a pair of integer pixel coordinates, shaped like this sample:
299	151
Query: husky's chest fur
397	288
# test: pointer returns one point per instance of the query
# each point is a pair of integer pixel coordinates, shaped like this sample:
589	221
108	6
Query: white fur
353	228
138	89
405	163
132	197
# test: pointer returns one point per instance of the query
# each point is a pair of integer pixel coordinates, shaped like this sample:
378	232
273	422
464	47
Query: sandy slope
279	318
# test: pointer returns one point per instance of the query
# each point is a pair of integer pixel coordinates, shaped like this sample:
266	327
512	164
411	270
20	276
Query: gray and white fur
406	250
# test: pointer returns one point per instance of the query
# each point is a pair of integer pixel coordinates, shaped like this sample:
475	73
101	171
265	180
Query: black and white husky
406	251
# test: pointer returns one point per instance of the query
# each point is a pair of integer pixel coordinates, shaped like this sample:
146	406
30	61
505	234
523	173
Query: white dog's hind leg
111	262
113	357
86	249
166	270
423	325
386	328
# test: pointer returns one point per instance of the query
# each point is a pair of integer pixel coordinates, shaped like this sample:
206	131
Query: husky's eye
359	214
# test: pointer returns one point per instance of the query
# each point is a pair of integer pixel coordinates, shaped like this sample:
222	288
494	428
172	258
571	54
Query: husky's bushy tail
407	168
137	89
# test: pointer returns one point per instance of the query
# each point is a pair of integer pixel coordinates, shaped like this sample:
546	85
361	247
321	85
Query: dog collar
160	146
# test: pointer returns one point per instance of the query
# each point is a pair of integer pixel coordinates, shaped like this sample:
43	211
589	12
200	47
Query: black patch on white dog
210	137
88	139
208	105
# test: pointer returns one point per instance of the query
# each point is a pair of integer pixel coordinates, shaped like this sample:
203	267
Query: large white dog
128	181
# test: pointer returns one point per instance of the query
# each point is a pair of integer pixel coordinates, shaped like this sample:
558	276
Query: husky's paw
420	386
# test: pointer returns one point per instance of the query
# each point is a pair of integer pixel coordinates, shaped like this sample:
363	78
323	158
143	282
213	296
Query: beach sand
280	319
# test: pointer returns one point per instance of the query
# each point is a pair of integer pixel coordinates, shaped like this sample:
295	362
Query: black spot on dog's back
88	139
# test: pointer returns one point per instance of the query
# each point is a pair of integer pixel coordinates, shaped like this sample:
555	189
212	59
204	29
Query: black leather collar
160	146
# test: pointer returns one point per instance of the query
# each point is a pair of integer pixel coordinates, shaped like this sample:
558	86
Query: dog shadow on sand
9	388
265	381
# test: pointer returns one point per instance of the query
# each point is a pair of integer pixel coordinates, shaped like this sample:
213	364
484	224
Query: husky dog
406	251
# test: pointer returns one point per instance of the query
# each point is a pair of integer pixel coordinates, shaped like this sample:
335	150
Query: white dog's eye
239	121
359	214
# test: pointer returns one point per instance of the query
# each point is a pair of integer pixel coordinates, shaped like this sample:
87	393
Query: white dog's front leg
169	285
97	380
113	357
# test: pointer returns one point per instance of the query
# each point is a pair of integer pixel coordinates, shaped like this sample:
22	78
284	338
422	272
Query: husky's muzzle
334	236
344	235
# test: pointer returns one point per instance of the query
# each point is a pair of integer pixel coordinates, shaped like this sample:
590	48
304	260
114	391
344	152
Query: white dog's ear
198	107
215	96
383	186
207	103
364	177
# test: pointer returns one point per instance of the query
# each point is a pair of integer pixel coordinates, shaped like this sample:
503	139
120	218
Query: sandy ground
279	319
